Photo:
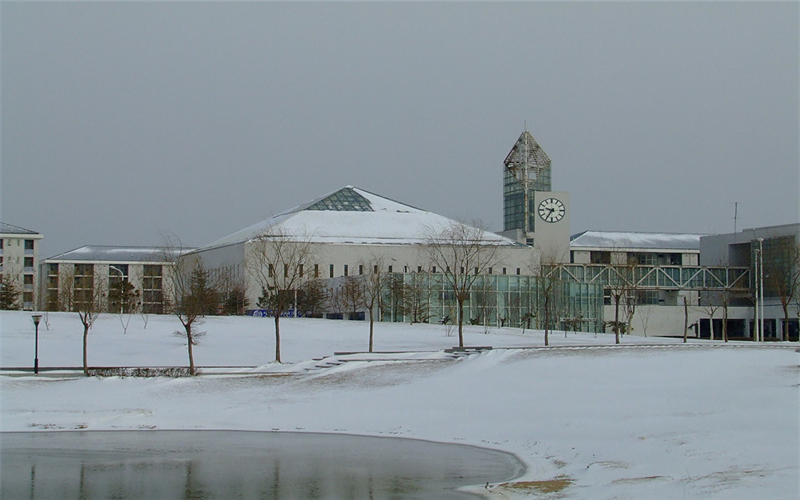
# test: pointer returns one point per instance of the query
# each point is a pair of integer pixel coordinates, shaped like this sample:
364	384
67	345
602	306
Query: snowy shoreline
591	422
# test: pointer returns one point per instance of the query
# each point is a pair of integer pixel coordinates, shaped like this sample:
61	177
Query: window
1	243
517	271
419	269
360	269
28	279
28	261
504	270
316	270
490	270
600	257
300	270
433	269
375	269
271	271
331	271
28	244
152	293
390	268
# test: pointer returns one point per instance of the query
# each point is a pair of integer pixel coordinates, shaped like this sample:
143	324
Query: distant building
19	259
103	267
778	249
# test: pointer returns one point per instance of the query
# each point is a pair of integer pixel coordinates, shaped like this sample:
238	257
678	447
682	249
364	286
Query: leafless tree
277	261
710	302
194	293
312	297
622	288
545	267
125	300
351	294
79	292
461	253
416	297
782	274
373	287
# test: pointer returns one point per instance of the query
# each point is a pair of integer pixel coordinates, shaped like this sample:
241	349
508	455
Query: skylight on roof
344	200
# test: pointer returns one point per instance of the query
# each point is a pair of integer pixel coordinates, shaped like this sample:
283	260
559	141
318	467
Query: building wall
20	262
154	289
340	259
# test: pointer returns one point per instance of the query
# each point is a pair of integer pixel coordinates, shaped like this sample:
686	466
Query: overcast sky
123	121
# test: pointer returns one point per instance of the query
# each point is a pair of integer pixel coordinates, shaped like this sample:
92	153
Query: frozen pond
237	464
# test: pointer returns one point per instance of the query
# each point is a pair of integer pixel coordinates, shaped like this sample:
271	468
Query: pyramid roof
353	216
526	144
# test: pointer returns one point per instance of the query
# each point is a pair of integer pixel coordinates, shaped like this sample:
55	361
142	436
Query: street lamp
36	319
761	286
755	286
121	285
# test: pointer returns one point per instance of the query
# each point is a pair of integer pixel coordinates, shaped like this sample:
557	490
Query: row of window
29	244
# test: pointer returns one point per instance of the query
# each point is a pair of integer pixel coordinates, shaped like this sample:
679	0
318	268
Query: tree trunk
189	344
711	326
685	319
461	323
785	322
277	336
546	320
371	329
725	322
616	320
85	342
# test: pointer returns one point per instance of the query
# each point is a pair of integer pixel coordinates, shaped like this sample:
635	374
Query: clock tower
533	213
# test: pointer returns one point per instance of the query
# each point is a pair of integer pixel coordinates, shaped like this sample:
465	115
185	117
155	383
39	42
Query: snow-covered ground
651	419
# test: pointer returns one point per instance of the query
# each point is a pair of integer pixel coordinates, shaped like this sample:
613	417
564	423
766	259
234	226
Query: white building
19	261
349	228
95	267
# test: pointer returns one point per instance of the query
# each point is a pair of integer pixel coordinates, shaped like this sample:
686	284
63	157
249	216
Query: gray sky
123	121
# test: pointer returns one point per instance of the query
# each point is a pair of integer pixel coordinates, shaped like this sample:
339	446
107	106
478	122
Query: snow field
673	421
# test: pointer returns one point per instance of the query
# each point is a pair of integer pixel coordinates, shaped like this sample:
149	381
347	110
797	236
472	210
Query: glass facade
344	200
527	163
495	300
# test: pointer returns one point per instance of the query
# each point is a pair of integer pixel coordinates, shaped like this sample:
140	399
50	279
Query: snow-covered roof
11	229
610	240
99	253
353	216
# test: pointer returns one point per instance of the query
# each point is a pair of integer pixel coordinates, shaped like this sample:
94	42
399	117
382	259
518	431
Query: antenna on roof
735	215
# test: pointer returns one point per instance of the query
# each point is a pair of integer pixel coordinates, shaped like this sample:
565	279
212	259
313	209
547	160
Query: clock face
551	210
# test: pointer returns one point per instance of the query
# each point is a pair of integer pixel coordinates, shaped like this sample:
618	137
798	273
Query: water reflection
239	465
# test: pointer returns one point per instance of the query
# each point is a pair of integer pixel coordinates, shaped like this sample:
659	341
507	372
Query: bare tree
194	294
782	274
351	294
125	300
78	292
277	261
622	287
312	297
373	288
415	297
710	302
461	253
545	267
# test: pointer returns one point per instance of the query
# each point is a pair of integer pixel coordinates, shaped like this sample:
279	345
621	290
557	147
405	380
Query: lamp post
121	285
761	286
755	286
36	319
